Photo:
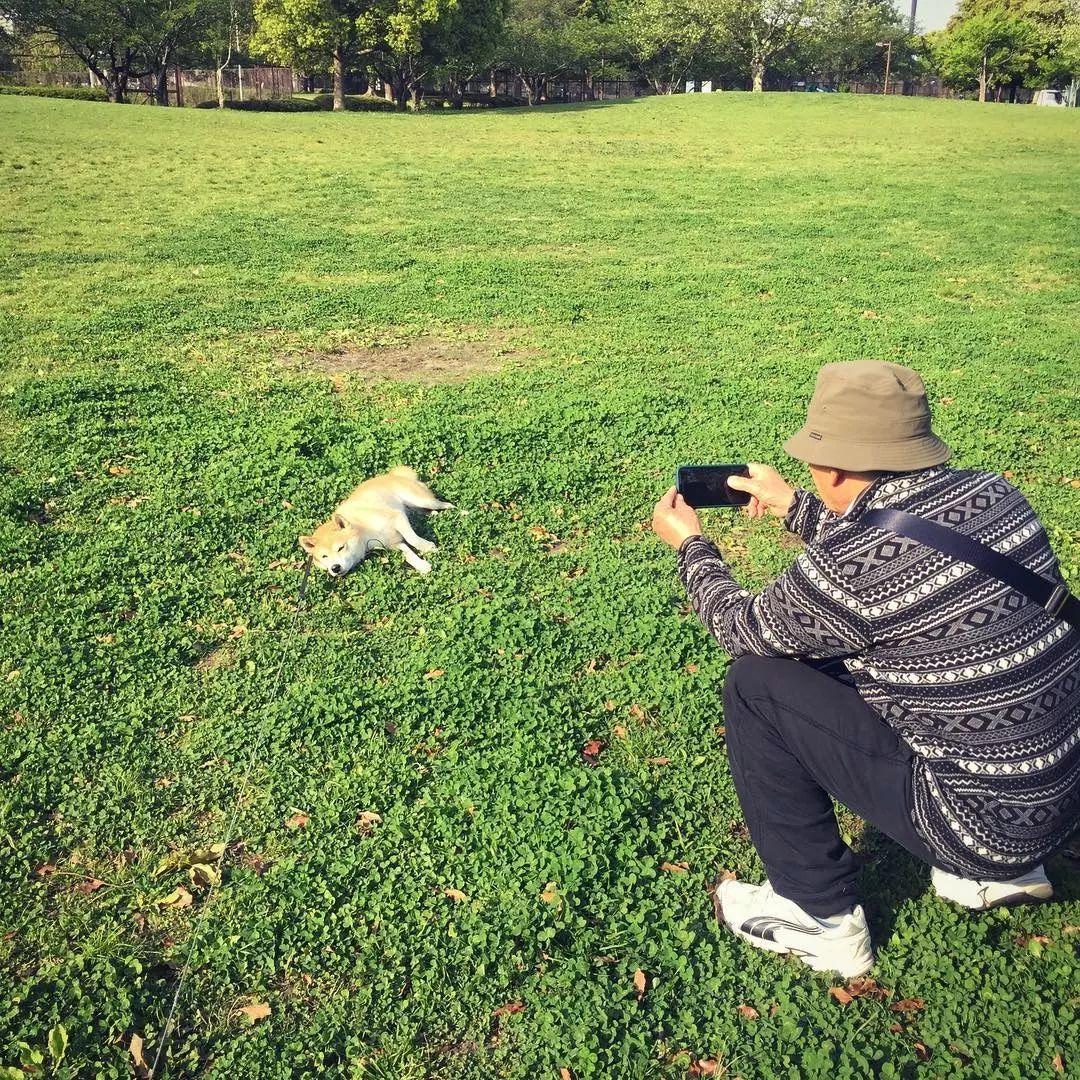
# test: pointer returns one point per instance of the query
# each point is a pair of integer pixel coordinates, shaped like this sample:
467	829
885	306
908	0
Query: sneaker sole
1039	895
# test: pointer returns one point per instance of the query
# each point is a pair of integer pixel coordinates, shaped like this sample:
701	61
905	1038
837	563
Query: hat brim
899	456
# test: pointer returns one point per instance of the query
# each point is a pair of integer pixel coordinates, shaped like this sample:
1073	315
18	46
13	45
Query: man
931	698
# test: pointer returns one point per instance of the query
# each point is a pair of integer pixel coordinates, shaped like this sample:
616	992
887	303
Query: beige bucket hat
865	416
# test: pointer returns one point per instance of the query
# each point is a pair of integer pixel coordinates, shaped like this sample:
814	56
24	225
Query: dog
374	515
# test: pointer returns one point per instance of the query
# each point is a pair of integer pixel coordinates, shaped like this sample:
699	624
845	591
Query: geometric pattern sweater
979	681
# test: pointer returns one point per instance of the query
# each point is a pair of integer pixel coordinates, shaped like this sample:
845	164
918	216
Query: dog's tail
405	471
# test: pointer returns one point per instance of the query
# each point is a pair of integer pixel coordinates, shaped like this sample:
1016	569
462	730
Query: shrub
264	105
355	103
78	93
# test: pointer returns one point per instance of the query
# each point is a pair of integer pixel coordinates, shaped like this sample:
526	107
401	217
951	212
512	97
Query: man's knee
750	676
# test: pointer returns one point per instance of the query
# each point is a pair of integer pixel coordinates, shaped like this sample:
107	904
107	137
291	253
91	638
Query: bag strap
1054	599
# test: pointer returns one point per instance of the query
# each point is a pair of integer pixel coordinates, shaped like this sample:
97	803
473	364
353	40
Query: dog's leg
421	566
421	497
404	526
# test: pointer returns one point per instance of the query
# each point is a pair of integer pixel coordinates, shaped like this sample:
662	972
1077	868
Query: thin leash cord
197	930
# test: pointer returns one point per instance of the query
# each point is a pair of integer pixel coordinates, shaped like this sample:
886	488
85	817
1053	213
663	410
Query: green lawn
662	278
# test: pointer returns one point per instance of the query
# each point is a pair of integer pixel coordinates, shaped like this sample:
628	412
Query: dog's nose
335	569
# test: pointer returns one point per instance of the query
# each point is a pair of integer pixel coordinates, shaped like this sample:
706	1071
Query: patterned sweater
981	683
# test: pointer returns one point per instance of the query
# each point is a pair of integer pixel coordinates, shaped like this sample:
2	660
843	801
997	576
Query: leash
197	929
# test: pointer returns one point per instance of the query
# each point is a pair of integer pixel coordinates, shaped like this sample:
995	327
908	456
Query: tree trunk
339	77
161	86
982	87
493	90
757	73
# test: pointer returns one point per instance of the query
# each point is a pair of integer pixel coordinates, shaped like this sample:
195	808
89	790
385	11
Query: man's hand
674	519
770	493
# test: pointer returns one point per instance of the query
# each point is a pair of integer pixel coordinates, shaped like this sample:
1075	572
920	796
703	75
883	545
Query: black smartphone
707	485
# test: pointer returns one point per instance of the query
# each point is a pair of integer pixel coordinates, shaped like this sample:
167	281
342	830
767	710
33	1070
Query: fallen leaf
610	705
455	894
896	1028
841	995
178	898
45	869
204	876
509	1009
868	314
1058	1063
564	1074
867	988
297	821
591	750
774	1008
90	886
675	867
921	1052
619	731
366	821
691	669
118	470
435	673
638	713
257	1010
720	732
639	983
704	1067
908	1005
135	1048
747	1012
657	760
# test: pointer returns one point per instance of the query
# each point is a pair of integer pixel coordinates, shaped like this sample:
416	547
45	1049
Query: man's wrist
686	540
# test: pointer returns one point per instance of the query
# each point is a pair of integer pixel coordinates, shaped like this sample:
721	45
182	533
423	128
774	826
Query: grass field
428	877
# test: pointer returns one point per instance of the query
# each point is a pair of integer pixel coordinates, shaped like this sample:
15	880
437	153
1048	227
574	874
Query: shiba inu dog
375	515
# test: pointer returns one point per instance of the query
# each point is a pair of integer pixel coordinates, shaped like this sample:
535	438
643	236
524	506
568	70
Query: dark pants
795	736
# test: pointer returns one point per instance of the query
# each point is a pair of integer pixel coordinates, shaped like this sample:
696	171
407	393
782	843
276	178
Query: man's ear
835	477
307	543
339	521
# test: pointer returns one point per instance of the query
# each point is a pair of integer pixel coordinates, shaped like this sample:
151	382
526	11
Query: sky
930	14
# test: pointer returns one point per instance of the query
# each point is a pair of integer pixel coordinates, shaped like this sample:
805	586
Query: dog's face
336	546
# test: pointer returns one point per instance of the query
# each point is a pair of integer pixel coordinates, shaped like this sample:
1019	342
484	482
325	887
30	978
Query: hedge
78	93
266	105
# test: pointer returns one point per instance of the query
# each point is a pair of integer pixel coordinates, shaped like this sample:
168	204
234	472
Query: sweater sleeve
808	517
801	614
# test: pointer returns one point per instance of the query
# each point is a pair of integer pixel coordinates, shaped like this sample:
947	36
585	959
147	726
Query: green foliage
992	41
76	93
270	105
662	279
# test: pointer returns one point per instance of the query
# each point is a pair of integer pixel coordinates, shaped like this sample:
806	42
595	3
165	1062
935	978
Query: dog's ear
339	521
307	543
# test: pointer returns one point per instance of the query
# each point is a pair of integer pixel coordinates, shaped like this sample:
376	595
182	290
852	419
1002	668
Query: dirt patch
427	359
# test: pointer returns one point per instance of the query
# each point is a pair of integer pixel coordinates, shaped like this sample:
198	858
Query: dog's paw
425	547
422	566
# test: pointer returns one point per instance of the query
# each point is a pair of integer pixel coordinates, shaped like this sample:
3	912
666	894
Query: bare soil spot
427	359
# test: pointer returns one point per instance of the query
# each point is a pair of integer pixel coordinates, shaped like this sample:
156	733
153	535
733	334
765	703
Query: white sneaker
1029	888
757	915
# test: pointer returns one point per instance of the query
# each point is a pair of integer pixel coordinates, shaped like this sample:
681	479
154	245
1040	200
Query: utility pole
887	46
911	21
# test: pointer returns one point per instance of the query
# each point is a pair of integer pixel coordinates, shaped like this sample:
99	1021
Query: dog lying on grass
375	515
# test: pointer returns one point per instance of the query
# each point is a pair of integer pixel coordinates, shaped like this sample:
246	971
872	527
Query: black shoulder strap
1053	598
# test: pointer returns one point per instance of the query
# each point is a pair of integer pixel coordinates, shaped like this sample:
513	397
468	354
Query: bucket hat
868	416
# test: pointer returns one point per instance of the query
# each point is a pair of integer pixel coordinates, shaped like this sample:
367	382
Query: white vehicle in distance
1047	97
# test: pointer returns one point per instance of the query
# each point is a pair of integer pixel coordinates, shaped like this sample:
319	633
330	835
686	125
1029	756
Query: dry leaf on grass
90	886
45	869
747	1012
297	821
841	995
675	867
1058	1063
908	1005
639	983
178	898
509	1008
366	821
550	895
135	1048
435	673
257	1010
921	1051
455	894
564	1074
657	760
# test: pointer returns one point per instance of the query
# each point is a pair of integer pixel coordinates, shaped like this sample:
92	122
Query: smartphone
706	485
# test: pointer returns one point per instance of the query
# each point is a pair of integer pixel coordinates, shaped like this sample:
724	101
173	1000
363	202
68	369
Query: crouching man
934	692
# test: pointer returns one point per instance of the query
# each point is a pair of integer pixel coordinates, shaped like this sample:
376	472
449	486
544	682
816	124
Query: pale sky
930	14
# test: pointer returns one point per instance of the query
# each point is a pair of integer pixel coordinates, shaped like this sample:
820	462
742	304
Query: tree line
409	45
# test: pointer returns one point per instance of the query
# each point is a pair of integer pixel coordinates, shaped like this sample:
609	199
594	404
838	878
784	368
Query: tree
406	35
760	30
226	25
667	39
312	34
464	41
989	48
843	42
537	44
118	40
